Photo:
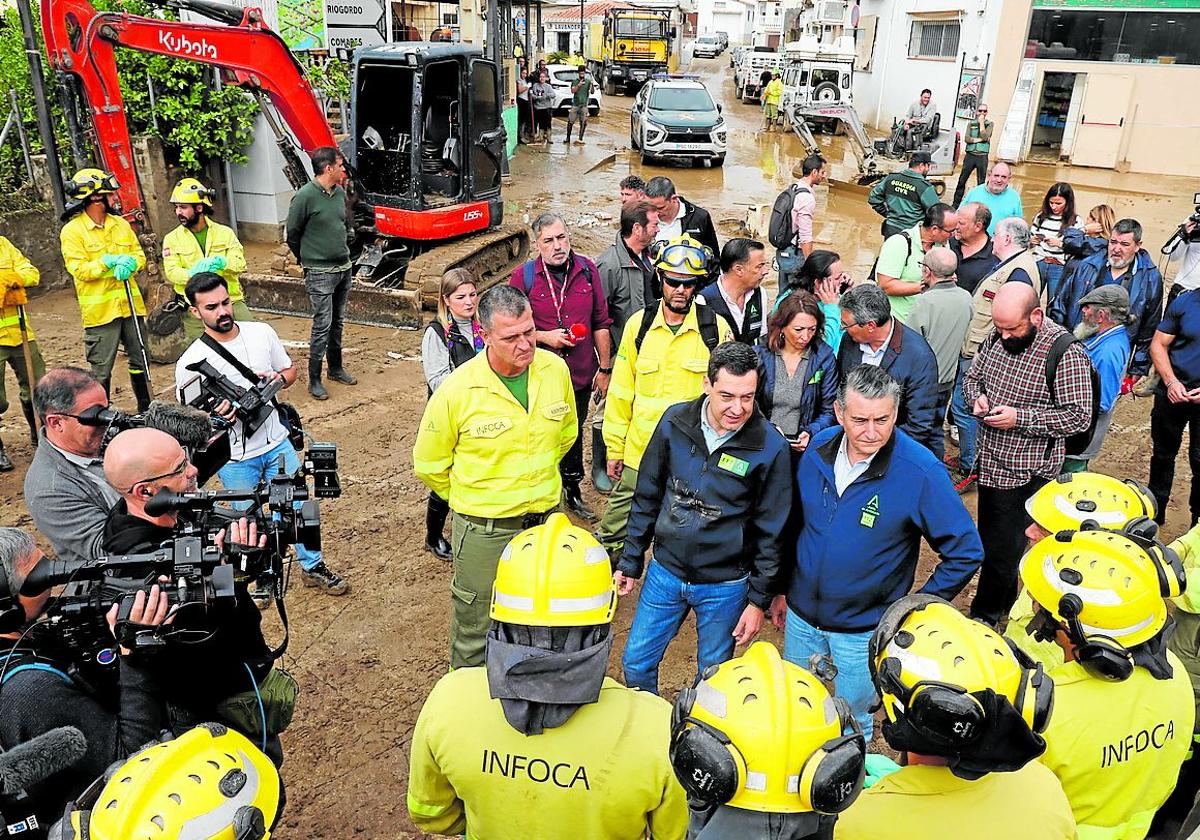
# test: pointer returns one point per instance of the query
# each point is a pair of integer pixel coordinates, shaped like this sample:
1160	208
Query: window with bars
934	39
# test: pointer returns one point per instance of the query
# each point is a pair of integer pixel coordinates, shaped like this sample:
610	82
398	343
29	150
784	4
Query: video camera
209	388
196	572
205	438
1181	235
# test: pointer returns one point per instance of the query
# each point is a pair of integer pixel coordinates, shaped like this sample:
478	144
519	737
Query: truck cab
635	44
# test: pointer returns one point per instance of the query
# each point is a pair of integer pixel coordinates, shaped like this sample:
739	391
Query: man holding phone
1023	428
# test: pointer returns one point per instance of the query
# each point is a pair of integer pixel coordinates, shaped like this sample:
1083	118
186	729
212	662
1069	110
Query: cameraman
65	487
37	699
256	348
1186	247
198	676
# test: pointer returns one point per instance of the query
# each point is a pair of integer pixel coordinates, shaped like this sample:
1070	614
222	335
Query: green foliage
557	57
328	75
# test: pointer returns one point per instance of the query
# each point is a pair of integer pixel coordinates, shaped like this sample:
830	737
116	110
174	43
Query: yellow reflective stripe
496	498
115	294
432	467
482	469
416	806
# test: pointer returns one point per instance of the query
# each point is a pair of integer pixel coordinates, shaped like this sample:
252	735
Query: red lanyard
558	302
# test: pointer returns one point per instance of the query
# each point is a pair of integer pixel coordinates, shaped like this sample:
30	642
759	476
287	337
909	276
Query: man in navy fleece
868	494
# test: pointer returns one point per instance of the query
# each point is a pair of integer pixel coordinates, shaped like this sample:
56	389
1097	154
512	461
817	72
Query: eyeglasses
180	470
87	417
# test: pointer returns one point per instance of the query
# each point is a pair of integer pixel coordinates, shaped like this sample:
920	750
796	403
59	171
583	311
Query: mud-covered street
366	661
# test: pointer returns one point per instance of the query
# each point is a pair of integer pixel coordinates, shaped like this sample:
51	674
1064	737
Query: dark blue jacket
816	401
1145	299
1077	244
712	517
756	317
857	554
911	362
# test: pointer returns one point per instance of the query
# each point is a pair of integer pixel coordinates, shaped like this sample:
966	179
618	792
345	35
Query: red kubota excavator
425	146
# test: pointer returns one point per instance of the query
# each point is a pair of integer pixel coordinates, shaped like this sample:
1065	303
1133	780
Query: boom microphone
40	758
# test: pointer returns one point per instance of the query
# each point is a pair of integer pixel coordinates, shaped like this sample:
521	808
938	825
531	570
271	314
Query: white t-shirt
674	229
258	347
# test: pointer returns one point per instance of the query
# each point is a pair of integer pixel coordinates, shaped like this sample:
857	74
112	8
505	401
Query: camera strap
215	345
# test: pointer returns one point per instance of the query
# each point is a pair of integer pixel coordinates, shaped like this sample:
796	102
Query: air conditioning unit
831	11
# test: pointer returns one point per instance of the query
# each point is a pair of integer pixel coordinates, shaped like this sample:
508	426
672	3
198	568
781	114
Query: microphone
190	426
40	758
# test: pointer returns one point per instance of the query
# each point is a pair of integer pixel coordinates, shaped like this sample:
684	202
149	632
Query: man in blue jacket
868	493
714	495
1102	331
873	337
1125	262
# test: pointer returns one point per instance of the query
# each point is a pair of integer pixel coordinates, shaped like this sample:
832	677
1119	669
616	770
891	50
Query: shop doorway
1054	108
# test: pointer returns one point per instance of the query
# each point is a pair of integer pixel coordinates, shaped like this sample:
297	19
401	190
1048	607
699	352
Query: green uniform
984	132
902	198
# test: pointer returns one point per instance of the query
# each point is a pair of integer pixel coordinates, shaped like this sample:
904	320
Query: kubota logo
472	215
183	45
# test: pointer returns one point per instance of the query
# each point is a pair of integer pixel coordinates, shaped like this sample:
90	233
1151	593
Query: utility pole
45	128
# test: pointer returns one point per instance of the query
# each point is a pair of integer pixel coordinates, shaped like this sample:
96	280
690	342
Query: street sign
355	23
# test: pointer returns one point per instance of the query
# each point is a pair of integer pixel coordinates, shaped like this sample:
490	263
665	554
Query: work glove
878	766
124	268
216	264
111	260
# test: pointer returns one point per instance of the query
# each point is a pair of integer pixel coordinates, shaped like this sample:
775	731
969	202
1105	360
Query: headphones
108	183
1100	656
712	769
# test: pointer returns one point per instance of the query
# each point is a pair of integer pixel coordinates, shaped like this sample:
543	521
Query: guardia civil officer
540	743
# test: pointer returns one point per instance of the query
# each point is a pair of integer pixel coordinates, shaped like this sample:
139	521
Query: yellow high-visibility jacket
14	266
1188	549
669	369
484	453
1117	747
181	251
101	295
603	775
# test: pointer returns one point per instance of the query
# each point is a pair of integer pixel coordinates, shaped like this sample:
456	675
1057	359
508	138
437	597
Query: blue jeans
849	653
1051	276
663	605
961	416
246	475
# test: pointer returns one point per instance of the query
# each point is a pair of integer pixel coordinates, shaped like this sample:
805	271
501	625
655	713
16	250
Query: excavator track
491	256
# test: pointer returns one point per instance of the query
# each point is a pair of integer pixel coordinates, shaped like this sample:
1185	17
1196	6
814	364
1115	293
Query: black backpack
1077	442
706	320
780	232
875	265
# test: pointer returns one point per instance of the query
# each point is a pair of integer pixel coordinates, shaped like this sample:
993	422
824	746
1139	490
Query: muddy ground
367	660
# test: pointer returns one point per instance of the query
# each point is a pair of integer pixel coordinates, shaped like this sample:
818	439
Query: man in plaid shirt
1022	432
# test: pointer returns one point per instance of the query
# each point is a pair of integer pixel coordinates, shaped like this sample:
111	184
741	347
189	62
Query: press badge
734	465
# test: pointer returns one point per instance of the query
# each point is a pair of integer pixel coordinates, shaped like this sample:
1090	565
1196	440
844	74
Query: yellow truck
628	46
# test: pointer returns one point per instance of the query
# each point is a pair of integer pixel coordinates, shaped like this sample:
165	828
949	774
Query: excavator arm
860	143
80	42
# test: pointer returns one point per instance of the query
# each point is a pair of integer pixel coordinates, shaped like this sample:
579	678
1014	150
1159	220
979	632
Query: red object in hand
579	331
1127	385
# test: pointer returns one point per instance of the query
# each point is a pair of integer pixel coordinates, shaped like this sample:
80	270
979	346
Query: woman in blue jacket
799	377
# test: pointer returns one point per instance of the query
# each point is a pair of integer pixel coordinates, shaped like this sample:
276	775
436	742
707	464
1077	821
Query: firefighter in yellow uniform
201	244
490	442
102	255
655	368
964	708
1064	504
1185	643
1123	710
17	274
763	751
539	743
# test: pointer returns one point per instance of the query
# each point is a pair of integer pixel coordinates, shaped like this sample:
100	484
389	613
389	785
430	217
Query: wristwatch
606	370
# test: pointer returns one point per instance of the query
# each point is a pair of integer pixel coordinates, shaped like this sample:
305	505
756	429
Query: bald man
199	677
997	194
1023	428
941	314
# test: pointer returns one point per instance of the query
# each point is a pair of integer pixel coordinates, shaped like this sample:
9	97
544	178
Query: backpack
1078	442
780	232
706	320
874	265
527	277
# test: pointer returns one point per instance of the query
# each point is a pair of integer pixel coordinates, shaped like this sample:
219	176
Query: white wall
894	80
728	16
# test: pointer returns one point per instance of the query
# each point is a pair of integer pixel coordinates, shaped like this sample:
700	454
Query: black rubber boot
575	502
5	464
31	419
336	372
436	511
600	479
141	390
314	381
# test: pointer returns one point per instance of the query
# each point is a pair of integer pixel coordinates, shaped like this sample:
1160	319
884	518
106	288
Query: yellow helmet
191	191
762	734
89	182
210	782
1103	586
1074	498
928	660
554	575
683	256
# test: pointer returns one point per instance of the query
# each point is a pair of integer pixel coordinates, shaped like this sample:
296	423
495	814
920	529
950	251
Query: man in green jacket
979	145
317	234
903	197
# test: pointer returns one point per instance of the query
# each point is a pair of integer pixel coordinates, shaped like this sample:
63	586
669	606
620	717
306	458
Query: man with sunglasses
662	360
979	144
65	487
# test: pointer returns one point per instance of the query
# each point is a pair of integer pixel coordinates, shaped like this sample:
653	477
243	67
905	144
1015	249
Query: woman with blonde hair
1093	236
452	339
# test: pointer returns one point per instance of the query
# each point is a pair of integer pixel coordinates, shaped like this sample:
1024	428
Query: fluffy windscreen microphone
190	426
40	758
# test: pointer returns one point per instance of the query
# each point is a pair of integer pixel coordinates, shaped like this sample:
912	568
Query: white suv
674	117
707	46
